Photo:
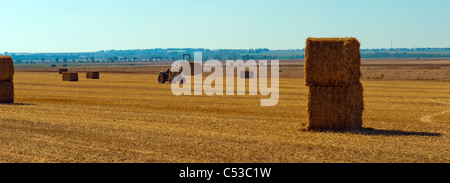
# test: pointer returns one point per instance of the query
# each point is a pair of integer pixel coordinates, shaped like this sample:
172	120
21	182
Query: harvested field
385	69
126	117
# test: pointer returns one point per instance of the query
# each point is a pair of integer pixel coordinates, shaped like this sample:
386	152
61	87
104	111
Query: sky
93	25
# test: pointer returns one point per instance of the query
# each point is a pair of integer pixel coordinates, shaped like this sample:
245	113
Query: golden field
129	117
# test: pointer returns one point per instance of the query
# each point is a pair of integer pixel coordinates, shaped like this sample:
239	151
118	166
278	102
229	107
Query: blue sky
92	25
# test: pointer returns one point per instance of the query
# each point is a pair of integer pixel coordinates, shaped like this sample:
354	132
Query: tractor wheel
161	79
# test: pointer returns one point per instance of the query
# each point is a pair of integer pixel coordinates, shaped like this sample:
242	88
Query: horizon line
7	52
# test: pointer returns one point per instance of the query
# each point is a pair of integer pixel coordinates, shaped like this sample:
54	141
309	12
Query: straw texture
332	61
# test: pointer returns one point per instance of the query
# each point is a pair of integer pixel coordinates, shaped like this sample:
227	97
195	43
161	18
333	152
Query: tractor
169	75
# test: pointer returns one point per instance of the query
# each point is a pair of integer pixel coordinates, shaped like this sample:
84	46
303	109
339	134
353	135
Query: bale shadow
372	131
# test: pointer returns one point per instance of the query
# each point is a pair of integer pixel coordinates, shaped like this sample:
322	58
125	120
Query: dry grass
132	118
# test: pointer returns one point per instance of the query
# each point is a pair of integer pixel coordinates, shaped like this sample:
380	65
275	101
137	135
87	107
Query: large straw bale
332	61
6	92
335	107
6	68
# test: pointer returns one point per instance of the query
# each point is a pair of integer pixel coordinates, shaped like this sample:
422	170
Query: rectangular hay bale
92	75
332	61
60	71
193	66
70	76
335	107
6	68
246	74
6	92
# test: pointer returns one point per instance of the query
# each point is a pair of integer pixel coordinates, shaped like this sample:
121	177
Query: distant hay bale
53	65
92	75
6	68
6	79
6	92
64	65
332	61
70	76
335	107
60	71
194	65
246	74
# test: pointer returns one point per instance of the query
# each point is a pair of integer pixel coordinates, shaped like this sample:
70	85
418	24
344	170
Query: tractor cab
168	75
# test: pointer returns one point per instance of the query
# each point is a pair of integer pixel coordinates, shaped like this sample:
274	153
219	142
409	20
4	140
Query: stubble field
129	117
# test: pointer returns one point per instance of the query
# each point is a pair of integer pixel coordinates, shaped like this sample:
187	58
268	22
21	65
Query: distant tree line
172	54
379	54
